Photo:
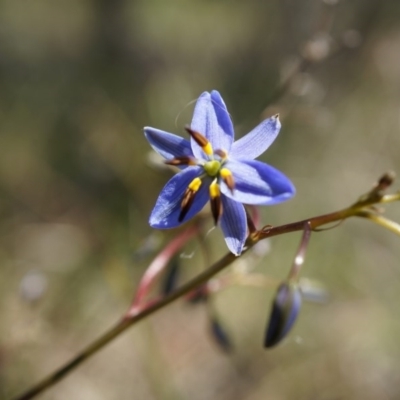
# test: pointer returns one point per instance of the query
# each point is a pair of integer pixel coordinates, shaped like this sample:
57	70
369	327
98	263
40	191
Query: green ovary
212	167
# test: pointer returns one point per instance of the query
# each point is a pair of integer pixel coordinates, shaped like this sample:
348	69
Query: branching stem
357	209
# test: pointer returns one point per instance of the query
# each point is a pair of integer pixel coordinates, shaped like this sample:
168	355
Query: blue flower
215	168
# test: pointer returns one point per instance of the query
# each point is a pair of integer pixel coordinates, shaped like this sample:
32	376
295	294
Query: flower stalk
300	255
363	208
158	265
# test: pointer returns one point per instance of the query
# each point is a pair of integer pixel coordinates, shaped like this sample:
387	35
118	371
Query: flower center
212	167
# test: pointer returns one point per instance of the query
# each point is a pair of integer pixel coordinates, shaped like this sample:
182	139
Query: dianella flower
214	168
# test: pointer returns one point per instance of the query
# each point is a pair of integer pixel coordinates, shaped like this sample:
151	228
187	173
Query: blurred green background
78	81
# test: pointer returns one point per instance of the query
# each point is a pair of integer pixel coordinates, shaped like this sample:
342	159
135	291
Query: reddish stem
301	252
157	266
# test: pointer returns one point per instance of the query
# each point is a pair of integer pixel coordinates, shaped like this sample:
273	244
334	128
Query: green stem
380	220
202	278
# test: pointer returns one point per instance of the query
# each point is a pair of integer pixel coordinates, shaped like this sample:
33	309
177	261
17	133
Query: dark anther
186	203
198	137
181	161
216	208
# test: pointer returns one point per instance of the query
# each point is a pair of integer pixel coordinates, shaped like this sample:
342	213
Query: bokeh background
78	81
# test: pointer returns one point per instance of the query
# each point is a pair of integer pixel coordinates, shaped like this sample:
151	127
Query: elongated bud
285	308
220	335
385	181
169	283
199	295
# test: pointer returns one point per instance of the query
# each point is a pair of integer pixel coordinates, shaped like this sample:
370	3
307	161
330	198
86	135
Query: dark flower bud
171	278
220	336
199	295
285	309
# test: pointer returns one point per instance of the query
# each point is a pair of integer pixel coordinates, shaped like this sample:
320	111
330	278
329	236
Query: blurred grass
79	80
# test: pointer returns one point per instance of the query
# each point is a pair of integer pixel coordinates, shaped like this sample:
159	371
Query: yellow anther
227	177
201	140
208	149
188	197
214	190
215	201
195	184
225	173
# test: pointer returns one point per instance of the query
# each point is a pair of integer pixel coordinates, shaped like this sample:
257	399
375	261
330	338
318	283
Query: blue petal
233	225
258	183
168	206
211	118
224	120
167	144
257	141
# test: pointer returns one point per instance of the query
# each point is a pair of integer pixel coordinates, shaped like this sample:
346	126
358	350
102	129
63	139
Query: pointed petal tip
204	94
155	222
158	223
211	118
277	121
291	190
235	244
146	130
216	95
258	140
234	225
234	247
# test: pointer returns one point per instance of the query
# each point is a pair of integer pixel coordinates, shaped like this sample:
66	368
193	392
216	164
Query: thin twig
158	265
201	279
301	252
